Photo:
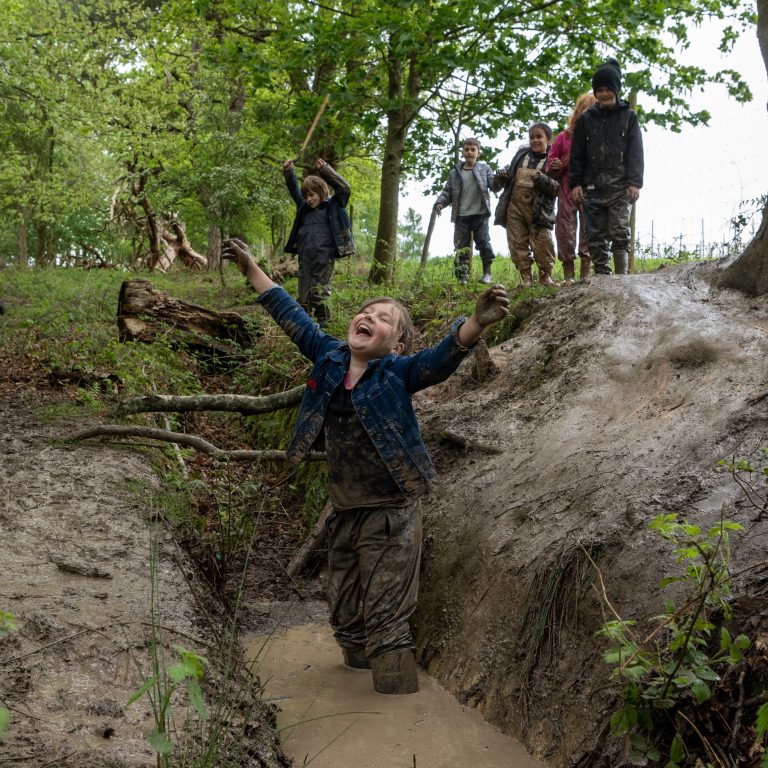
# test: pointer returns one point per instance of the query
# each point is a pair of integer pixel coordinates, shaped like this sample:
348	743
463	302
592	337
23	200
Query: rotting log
144	313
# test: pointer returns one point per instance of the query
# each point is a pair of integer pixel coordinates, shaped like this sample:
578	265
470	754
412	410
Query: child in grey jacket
468	192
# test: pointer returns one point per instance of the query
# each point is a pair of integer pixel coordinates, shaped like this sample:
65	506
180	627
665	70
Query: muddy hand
238	253
492	305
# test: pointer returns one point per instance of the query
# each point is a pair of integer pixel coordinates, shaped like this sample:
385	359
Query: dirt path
75	549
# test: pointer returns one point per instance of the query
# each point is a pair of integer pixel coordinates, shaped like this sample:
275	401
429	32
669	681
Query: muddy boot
620	262
545	278
569	272
527	277
486	278
355	658
585	267
395	672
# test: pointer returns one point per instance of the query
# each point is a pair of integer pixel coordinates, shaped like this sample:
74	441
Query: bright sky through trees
699	175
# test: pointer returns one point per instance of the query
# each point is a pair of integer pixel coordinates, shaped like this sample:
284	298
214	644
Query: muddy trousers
465	228
315	285
570	220
608	230
523	235
373	577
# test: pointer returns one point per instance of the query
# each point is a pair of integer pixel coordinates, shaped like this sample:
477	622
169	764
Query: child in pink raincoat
570	217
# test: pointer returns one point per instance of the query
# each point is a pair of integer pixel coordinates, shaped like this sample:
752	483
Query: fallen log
189	441
144	313
247	405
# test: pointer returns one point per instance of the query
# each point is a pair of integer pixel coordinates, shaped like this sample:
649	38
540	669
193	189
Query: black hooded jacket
607	150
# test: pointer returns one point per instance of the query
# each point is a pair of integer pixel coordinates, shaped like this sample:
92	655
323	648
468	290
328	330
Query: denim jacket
382	397
338	218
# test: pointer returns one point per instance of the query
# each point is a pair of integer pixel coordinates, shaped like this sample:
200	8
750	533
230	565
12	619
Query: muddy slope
74	550
610	406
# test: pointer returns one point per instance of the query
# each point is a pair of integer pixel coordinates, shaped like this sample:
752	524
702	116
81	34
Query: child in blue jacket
358	400
320	234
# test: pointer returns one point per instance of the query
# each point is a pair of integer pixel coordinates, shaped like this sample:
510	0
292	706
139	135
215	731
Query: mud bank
75	549
611	405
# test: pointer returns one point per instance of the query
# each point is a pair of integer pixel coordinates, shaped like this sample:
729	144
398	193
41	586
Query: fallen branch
311	544
244	404
190	441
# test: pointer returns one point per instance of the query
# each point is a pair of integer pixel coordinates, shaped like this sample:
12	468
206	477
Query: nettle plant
678	661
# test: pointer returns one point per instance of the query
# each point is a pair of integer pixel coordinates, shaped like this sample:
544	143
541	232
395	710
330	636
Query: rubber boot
395	673
569	272
527	277
585	267
620	262
545	278
355	658
486	278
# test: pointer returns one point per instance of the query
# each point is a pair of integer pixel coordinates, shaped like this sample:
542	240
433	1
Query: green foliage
7	624
676	664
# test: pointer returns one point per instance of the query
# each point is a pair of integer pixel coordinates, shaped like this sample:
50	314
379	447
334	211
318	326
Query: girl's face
375	331
538	140
312	199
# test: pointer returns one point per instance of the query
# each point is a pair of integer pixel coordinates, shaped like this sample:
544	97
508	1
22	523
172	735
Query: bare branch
244	404
190	441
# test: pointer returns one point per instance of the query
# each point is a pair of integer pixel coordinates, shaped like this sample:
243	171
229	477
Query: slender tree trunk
23	259
214	245
402	92
386	232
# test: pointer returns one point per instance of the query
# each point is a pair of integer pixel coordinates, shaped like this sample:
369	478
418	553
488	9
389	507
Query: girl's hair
317	185
407	331
583	103
544	127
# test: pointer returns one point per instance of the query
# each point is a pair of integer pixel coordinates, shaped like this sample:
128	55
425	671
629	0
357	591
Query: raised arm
492	305
238	253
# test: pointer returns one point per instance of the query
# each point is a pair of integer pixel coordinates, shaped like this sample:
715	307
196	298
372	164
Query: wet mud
330	716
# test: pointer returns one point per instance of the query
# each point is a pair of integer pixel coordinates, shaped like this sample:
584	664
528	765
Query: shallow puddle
330	716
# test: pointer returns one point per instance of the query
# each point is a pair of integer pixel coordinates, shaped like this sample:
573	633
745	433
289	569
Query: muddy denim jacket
382	397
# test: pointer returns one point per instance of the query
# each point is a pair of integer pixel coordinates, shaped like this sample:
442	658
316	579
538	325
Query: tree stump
144	313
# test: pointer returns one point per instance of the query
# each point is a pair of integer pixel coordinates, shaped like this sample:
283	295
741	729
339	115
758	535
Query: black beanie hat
609	75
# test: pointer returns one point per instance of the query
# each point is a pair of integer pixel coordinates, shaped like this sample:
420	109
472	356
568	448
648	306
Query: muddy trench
610	404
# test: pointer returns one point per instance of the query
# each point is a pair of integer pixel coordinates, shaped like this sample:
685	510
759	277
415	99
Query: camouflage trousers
607	217
373	577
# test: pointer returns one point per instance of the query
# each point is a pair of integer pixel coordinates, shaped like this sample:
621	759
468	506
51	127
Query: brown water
330	716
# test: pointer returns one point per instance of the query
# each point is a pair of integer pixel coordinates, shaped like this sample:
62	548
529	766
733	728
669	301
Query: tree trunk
404	95
213	253
427	241
143	313
748	272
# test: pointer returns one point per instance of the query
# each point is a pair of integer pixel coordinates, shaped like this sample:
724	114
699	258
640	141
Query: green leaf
725	639
701	691
5	720
761	724
196	699
160	742
677	750
136	695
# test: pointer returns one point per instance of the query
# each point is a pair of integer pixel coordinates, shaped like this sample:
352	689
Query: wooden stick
313	126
